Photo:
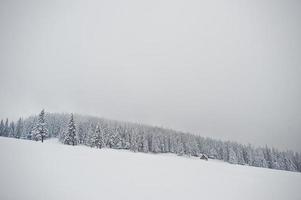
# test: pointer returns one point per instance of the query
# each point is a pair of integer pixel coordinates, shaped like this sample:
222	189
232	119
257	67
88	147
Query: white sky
224	69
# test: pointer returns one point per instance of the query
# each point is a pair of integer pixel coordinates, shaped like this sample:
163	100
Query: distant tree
112	138
191	146
116	140
12	129
286	161
297	161
225	151
133	141
6	128
19	128
1	127
259	160
90	135
155	144
70	136
81	134
248	154
275	159
97	138
40	132
268	156
30	129
179	146
232	155
143	143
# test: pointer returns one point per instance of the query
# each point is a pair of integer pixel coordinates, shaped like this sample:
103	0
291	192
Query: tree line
102	133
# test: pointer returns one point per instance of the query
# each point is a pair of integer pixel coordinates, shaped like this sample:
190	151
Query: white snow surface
32	170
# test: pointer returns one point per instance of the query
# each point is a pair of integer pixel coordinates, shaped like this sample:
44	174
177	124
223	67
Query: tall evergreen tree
12	129
81	134
70	137
6	128
19	128
1	127
40	132
232	155
97	138
133	141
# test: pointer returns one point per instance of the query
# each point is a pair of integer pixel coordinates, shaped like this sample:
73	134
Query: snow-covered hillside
34	171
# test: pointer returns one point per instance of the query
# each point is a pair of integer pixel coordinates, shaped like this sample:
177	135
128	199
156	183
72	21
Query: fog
224	69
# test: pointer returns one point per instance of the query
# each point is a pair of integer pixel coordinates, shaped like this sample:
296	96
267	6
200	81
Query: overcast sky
224	69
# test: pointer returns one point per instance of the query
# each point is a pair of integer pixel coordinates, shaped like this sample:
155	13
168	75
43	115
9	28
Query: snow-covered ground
34	171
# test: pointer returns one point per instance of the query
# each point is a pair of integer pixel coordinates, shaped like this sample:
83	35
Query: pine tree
275	159
12	129
70	137
248	155
297	159
90	136
133	141
191	147
268	157
81	134
143	143
232	155
112	138
225	151
97	139
6	129
40	132
1	127
116	139
19	128
179	146
259	160
106	135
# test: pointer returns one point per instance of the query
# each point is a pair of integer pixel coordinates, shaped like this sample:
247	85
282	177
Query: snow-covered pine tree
297	158
289	161
112	138
6	129
117	140
225	151
90	135
275	159
28	129
268	156
40	132
81	134
99	137
133	140
191	147
259	160
143	143
19	128
155	144
93	138
239	154
126	139
248	154
70	137
1	127
106	135
12	129
179	147
232	155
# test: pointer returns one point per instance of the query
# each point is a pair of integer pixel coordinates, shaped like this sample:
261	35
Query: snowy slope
35	171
